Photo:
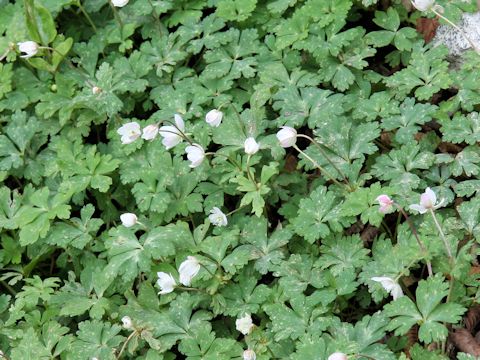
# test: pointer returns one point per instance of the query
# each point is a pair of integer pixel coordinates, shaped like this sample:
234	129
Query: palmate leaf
203	345
257	245
362	338
427	73
407	122
304	315
429	311
462	128
235	59
96	339
318	215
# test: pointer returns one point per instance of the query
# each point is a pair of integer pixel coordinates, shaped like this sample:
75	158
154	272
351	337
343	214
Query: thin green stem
125	344
319	167
234	211
156	17
249	174
4	55
10	289
117	18
324	154
89	19
470	41
442	235
420	243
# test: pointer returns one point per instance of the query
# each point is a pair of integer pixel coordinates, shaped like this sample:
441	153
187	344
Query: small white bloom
188	270
428	201
119	3
251	146
173	135
94	358
129	132
244	324
214	118
217	217
150	132
337	356
390	286
249	354
96	90
127	322
165	282
195	154
30	48
128	219
423	5
386	204
287	136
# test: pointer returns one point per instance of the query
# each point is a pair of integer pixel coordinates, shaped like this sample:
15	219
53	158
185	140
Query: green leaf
40	24
318	215
238	10
462	129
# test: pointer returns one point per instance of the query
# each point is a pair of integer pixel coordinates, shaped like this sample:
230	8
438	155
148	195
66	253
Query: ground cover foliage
250	247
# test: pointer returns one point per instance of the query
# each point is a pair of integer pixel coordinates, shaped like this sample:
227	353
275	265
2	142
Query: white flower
287	136
195	154
217	217
214	118
249	354
96	90
129	132
128	219
390	285
386	204
188	270
127	322
337	356
251	146
150	132
119	3
173	135
94	358
244	324
165	282
428	201
30	48
423	5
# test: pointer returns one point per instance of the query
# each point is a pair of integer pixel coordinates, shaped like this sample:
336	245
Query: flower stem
156	17
249	174
89	19
420	243
470	41
125	344
117	18
442	235
319	167
324	154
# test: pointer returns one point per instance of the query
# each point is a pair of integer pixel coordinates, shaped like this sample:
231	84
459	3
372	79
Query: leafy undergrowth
237	179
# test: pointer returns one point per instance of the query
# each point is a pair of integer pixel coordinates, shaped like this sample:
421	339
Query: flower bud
249	354
251	146
96	90
127	322
214	118
423	5
188	270
119	3
195	154
128	219
150	132
287	136
30	48
337	356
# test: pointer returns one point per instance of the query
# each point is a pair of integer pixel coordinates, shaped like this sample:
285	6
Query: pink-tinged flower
150	132
337	356
386	204
249	354
390	285
428	201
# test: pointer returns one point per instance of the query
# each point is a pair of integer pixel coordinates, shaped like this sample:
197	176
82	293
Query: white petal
179	122
418	208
